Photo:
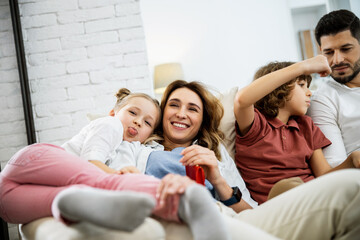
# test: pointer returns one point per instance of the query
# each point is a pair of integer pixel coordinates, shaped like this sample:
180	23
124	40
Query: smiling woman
182	119
190	135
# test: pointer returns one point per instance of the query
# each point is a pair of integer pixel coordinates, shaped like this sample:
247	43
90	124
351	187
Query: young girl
275	140
43	179
114	143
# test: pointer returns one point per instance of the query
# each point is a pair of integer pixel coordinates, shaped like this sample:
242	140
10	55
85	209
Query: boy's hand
318	64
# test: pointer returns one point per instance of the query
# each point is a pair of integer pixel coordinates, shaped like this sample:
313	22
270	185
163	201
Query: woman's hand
198	155
172	184
128	169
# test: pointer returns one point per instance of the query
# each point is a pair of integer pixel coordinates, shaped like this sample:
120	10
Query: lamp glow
164	74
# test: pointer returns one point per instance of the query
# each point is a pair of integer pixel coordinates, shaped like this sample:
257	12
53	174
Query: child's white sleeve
103	138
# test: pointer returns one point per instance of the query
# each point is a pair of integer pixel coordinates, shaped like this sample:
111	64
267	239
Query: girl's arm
246	98
102	139
103	166
129	169
320	166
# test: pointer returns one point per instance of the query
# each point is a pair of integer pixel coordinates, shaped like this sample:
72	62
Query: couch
49	228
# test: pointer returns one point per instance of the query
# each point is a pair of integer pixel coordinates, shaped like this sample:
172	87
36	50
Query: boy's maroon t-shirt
272	151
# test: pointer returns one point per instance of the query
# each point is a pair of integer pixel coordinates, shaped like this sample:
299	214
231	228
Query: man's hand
355	156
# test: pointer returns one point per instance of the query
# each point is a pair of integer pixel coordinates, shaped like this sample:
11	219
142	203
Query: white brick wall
79	53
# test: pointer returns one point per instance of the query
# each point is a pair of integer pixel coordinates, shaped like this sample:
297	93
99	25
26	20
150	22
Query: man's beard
343	80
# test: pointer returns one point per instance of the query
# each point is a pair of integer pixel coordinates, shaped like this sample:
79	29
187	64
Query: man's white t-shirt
335	109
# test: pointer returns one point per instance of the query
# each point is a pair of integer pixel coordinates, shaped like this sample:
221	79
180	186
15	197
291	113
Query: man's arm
324	114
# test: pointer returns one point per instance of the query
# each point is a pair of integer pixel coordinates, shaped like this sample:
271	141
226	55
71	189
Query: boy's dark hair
270	104
338	21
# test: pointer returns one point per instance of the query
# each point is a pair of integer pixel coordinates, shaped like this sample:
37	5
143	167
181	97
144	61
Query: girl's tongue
132	131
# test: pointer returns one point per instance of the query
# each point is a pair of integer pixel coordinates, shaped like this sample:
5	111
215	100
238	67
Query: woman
191	114
324	208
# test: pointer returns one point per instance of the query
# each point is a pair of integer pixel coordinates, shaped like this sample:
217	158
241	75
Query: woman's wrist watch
235	198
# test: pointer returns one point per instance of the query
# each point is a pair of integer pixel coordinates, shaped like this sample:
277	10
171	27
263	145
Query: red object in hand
196	173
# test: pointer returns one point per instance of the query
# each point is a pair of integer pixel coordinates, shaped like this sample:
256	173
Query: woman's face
182	118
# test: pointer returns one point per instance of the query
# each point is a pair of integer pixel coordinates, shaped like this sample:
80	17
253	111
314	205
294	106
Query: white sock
121	210
198	210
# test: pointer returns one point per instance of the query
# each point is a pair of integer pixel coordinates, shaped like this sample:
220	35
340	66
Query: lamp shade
165	74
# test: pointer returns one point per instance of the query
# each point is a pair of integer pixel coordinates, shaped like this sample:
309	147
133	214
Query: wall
220	42
79	53
355	7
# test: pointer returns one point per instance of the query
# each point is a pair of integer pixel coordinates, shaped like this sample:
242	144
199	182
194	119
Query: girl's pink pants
37	173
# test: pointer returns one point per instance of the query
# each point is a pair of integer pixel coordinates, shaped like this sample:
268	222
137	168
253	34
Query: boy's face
138	118
299	99
342	51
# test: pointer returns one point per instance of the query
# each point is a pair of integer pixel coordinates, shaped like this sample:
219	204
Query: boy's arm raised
246	98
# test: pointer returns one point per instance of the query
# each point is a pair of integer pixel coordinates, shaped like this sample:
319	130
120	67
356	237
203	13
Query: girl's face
299	99
138	118
182	118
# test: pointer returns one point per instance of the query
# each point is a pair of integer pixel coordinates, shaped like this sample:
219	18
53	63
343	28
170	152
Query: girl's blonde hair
209	135
270	104
123	96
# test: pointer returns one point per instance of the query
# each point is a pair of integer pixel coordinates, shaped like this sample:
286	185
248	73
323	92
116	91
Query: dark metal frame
23	75
25	90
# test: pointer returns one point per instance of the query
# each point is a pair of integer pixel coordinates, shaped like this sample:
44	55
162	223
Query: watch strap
235	198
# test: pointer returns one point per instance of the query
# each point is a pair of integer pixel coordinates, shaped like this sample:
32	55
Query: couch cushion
227	124
49	228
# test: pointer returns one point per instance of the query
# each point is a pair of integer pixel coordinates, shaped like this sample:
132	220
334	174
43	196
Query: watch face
237	193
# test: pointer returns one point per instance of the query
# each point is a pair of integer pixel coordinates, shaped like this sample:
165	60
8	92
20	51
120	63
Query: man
335	106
